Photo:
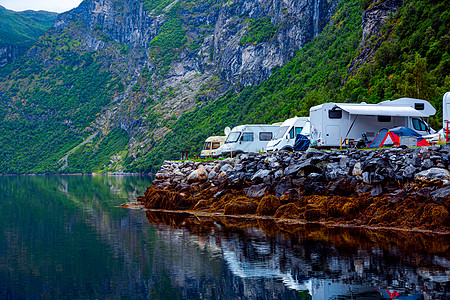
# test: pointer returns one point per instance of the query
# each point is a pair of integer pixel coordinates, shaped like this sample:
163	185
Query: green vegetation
23	28
314	71
156	6
46	108
96	159
171	37
259	30
48	104
413	59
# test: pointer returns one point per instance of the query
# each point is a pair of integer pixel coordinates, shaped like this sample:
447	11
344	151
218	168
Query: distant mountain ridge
19	30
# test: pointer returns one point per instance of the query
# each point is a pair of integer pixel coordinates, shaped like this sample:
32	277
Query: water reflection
63	237
317	262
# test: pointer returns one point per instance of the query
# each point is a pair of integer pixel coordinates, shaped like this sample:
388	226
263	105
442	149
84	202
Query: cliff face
373	18
19	30
169	59
9	53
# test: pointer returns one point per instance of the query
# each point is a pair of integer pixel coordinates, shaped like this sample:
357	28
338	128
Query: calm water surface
63	237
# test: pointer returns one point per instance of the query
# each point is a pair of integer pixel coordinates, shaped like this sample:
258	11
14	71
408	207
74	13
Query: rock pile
399	187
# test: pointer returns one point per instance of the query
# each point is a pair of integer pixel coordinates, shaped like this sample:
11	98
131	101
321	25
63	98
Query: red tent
391	137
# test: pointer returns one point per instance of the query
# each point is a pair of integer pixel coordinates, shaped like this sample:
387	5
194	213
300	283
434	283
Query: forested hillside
19	30
124	86
409	58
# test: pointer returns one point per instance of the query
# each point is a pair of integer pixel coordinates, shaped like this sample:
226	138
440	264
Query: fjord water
63	237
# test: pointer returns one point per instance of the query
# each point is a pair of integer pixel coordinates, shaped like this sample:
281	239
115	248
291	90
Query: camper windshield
233	137
280	132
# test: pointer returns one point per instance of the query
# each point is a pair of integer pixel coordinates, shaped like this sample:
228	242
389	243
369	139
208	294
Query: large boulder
433	175
198	175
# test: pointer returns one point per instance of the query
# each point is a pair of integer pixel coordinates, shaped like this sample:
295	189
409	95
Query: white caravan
334	124
285	136
212	143
446	111
247	138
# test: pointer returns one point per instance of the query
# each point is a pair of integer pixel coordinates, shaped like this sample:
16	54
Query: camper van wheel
289	149
235	154
360	145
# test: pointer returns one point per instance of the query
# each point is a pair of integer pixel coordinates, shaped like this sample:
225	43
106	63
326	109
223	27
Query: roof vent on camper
419	106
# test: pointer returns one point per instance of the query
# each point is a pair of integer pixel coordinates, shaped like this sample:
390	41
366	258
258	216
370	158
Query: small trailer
285	136
246	138
341	124
212	143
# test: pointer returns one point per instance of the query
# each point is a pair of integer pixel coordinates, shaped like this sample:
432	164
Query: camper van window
384	118
419	125
280	132
233	137
216	145
291	133
298	130
207	146
419	106
265	136
335	114
247	137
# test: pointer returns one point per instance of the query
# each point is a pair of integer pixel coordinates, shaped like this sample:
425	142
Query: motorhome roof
216	138
379	110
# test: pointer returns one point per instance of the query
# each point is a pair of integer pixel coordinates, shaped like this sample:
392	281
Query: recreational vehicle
246	138
212	143
335	124
446	111
285	136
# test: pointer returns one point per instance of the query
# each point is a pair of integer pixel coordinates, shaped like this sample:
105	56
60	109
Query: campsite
341	125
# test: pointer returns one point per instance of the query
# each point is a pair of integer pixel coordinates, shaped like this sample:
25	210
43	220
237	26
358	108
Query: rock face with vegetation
122	85
19	30
398	187
153	61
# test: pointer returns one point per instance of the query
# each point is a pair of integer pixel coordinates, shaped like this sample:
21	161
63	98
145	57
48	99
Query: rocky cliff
154	61
19	30
373	18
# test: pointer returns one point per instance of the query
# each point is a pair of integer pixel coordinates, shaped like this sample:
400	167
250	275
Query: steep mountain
120	85
108	80
19	30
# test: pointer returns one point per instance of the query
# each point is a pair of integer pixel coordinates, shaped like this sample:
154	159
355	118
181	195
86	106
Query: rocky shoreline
402	188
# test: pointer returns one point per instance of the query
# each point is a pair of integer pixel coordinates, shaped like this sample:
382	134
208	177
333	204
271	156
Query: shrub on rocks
240	206
288	211
268	205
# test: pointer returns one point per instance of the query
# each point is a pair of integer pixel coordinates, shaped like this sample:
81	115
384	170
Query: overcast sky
48	5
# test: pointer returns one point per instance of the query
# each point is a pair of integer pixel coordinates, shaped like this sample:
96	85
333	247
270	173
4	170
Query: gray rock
357	169
440	195
212	175
409	172
256	190
376	191
198	175
427	163
261	175
366	178
433	174
227	168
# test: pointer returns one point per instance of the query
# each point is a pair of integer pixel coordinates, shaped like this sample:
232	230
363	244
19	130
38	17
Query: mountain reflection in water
65	237
312	261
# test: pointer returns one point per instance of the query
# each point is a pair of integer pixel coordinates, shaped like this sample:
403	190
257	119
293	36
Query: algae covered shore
397	188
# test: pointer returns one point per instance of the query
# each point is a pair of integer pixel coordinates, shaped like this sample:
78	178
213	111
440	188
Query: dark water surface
62	237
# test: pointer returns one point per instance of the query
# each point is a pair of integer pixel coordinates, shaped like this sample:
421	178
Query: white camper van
332	124
247	138
212	143
285	136
446	111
